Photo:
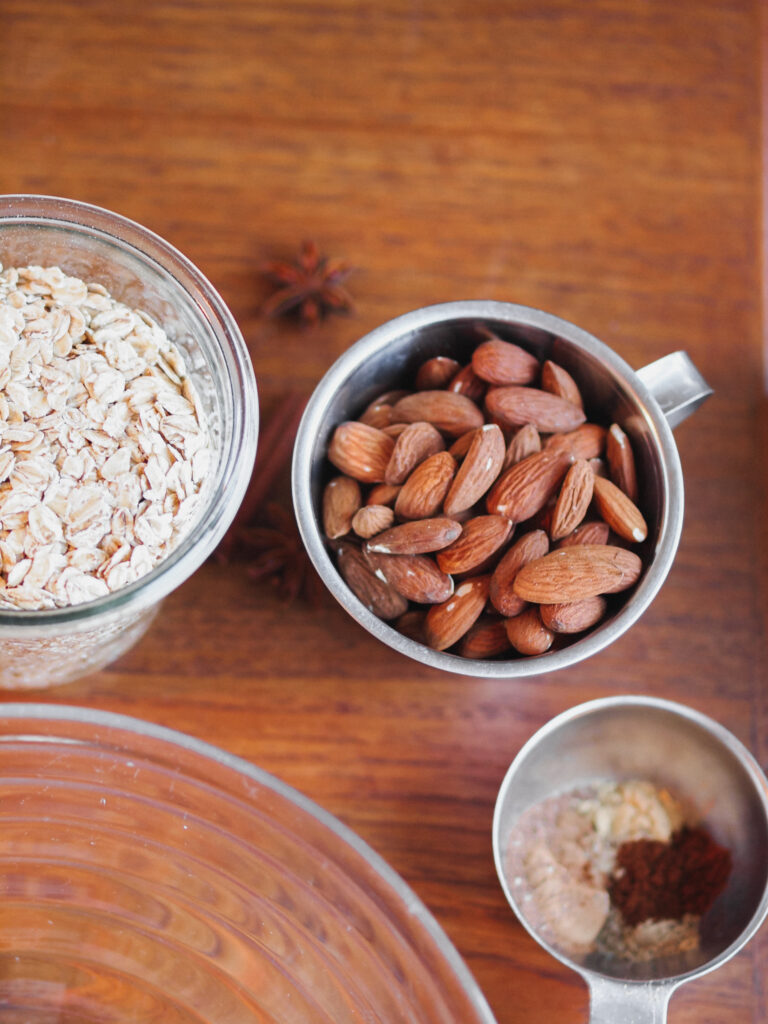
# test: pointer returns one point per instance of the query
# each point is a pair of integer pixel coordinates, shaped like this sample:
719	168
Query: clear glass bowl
42	648
146	876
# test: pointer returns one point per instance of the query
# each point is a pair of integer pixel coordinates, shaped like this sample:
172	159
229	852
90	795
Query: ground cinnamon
661	881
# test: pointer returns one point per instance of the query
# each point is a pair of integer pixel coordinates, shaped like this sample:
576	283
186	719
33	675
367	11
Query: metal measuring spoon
699	761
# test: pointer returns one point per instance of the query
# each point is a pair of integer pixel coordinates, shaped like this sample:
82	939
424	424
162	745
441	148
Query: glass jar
47	647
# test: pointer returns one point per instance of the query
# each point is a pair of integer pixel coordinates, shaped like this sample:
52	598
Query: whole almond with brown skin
619	511
394	430
481	465
557	380
523	443
411	624
376	594
452	414
377	414
585	442
486	639
423	493
573	573
501	362
527	486
462	444
467	383
341	500
528	634
390	397
372	519
515	406
360	451
527	548
382	494
480	538
596	532
436	373
575	616
417	537
621	461
415	577
573	500
417	442
448	622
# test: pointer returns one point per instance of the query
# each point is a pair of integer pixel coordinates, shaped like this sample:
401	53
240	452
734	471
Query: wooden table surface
600	161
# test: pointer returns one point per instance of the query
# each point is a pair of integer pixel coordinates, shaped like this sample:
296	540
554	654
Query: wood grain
600	161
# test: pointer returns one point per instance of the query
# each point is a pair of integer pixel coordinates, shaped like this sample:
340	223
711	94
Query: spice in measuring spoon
616	868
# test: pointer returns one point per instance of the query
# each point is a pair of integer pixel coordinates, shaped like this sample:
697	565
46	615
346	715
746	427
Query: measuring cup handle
676	385
618	1002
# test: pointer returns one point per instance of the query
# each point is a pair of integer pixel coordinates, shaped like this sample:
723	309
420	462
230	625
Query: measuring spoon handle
619	1002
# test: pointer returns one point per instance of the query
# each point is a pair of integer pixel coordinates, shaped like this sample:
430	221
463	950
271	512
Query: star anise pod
264	534
276	553
312	286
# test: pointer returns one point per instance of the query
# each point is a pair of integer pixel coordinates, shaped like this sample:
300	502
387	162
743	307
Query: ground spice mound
657	881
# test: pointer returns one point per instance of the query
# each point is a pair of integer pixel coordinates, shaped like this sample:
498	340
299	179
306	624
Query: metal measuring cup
647	404
701	763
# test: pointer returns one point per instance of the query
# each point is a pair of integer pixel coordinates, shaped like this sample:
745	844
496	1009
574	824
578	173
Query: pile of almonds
482	512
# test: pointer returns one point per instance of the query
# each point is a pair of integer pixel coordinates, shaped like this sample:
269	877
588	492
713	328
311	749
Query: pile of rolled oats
103	443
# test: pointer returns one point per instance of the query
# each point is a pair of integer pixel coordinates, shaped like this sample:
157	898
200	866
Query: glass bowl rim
410	903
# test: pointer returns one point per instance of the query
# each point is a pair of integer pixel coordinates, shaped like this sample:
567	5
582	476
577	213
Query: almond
467	383
360	451
596	532
436	373
529	547
527	486
376	594
598	467
480	538
585	442
478	471
394	430
621	461
462	444
516	406
448	622
501	362
573	500
416	577
417	537
341	499
486	639
528	634
573	573
372	519
390	397
411	624
424	491
524	442
415	443
382	494
619	511
559	382
575	616
452	414
378	414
